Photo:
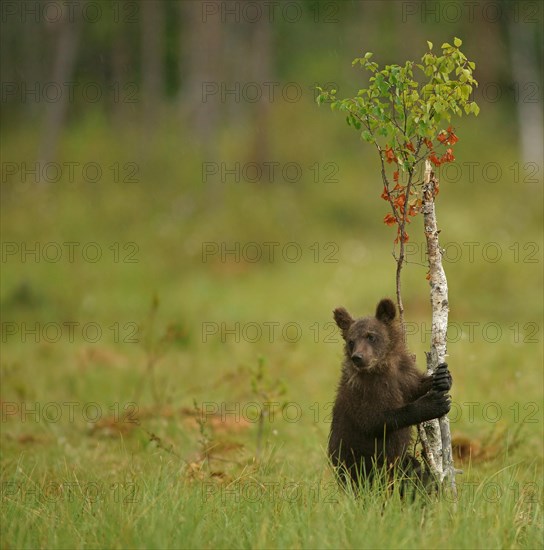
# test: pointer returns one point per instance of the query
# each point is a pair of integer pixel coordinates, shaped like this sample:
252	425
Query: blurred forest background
150	150
198	108
171	191
208	61
168	133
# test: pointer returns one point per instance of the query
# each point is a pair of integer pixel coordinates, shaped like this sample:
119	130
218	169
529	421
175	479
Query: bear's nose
357	358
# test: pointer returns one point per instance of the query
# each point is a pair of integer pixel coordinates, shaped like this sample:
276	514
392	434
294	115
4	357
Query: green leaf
397	106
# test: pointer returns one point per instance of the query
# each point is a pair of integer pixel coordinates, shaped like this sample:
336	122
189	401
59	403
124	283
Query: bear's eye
371	338
351	343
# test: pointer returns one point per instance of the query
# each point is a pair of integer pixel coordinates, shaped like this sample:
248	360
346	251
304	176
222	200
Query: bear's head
370	341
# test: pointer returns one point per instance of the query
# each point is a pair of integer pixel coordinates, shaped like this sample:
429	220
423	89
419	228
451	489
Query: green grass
150	485
146	499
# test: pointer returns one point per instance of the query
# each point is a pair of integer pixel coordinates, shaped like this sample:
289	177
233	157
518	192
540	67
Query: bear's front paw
442	380
437	403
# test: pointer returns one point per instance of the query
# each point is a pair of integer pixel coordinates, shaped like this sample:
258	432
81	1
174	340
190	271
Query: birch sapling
404	117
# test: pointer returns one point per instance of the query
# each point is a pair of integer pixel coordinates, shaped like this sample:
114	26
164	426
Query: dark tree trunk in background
202	54
153	30
35	49
528	91
261	71
121	69
67	35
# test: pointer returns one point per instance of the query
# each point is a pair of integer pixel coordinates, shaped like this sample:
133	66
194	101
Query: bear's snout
358	360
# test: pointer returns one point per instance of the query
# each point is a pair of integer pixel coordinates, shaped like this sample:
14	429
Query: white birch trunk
435	434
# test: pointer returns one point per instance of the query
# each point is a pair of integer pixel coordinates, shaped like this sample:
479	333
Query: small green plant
156	347
205	441
269	394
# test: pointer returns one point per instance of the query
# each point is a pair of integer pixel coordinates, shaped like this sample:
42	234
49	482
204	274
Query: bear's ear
386	311
343	319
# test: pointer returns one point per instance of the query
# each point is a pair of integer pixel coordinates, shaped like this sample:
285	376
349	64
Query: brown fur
381	394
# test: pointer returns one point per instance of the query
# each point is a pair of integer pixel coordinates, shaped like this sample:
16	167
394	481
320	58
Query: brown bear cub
381	395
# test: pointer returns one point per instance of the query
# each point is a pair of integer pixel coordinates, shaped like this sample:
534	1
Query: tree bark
435	434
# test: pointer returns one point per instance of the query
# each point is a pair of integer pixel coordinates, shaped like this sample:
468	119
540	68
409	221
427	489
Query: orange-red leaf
390	155
453	139
400	200
447	137
390	219
434	159
447	156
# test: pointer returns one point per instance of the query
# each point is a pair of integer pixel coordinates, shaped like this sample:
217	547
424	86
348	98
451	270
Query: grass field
137	363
